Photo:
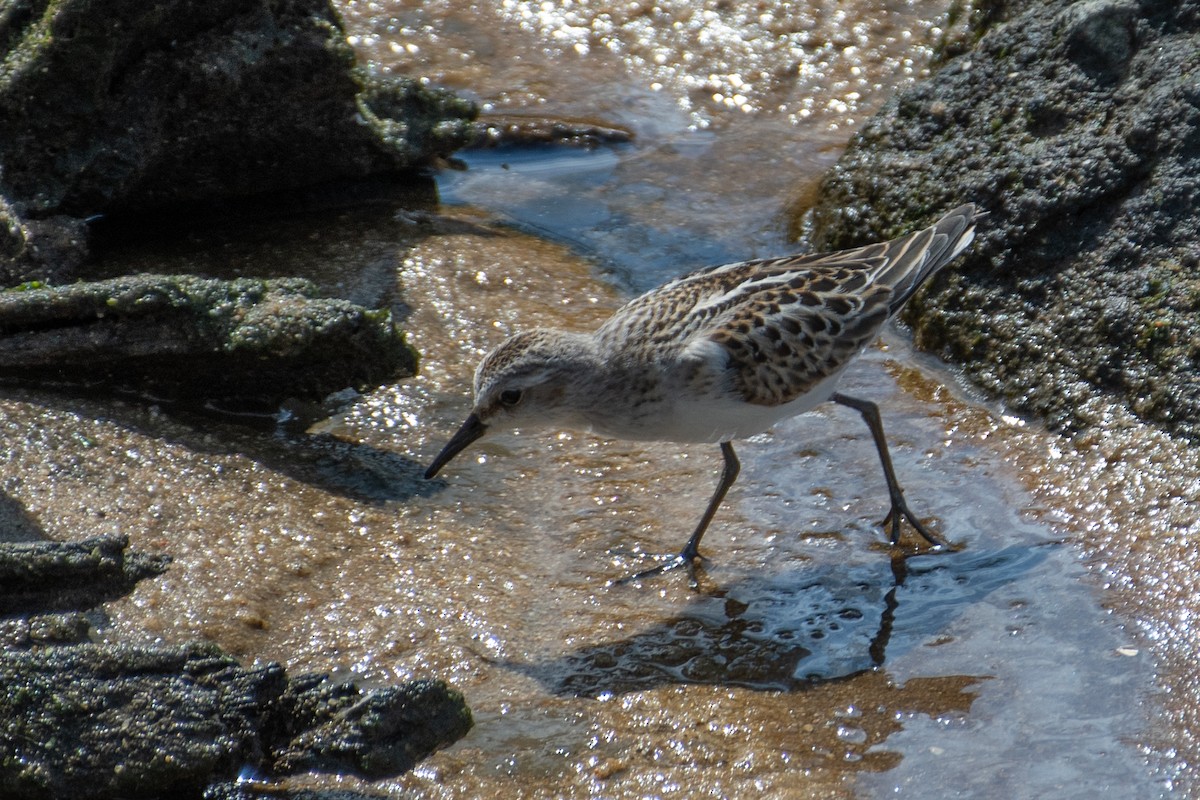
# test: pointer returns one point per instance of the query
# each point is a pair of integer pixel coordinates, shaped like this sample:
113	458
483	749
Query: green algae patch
184	337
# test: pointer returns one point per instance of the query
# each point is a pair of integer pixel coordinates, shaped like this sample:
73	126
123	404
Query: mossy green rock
182	337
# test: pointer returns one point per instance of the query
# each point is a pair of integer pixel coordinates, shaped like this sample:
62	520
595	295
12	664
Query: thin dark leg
729	474
691	550
870	415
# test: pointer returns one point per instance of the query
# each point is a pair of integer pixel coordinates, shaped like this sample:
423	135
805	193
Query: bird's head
529	381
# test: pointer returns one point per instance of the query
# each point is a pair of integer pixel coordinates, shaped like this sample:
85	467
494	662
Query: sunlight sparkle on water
713	60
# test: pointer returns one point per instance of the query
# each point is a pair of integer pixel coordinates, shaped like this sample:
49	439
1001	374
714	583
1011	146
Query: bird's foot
686	559
900	511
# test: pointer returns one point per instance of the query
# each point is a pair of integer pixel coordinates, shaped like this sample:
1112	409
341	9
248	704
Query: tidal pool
810	662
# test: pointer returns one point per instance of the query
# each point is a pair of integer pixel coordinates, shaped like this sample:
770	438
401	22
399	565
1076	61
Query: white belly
713	419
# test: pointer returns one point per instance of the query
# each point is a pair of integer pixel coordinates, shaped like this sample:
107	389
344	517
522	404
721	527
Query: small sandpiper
720	354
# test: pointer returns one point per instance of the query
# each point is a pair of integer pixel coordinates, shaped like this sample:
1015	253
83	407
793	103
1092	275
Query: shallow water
738	109
810	663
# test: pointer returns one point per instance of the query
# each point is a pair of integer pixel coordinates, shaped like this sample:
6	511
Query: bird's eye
510	397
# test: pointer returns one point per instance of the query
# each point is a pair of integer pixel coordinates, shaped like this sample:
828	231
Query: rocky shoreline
128	111
1074	125
85	719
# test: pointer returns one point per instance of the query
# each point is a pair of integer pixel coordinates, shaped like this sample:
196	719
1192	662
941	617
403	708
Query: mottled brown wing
668	315
677	310
786	339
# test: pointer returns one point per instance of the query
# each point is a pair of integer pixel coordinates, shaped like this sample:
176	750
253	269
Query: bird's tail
910	260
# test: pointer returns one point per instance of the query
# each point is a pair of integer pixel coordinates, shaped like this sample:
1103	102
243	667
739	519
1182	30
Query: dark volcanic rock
113	721
179	336
44	576
1077	125
125	105
98	721
334	728
92	721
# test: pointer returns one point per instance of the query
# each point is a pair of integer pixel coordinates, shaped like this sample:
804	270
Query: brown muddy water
1050	657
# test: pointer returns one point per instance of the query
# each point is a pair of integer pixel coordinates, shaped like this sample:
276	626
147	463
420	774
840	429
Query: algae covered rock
52	575
102	721
85	720
123	106
335	728
92	721
1075	124
181	336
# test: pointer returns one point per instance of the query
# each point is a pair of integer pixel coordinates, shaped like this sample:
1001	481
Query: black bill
471	430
